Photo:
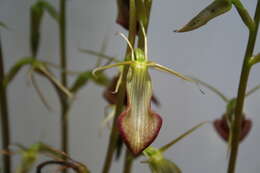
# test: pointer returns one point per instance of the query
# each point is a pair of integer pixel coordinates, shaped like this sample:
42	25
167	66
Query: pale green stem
63	63
245	16
242	92
128	162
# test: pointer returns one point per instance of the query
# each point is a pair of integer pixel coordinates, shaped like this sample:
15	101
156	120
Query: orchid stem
63	63
242	91
122	91
4	118
128	163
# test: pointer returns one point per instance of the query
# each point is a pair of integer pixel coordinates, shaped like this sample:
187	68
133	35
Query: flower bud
157	162
222	128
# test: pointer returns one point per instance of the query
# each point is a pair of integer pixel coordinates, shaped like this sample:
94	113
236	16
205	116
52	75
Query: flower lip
138	124
126	135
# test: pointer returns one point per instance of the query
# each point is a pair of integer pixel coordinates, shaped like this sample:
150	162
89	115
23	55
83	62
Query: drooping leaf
37	11
50	9
41	68
16	68
83	78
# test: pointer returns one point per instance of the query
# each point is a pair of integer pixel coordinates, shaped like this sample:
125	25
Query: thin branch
5	129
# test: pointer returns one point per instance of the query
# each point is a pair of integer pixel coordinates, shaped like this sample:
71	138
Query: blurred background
213	53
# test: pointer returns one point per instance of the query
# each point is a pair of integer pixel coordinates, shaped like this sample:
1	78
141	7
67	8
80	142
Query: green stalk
242	91
4	117
128	162
63	64
141	43
121	93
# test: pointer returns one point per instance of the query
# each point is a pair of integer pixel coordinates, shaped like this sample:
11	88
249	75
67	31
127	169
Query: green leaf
83	78
81	81
216	8
3	25
36	18
16	68
41	68
50	9
37	11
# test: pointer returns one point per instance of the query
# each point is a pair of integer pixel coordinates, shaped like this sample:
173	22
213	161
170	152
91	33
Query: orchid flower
138	125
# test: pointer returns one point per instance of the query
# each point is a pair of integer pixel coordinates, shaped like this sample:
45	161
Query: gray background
213	53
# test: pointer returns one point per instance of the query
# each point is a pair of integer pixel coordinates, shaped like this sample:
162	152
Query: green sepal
216	8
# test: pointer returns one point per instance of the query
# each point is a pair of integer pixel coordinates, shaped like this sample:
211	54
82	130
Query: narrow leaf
216	8
50	9
16	68
81	81
36	18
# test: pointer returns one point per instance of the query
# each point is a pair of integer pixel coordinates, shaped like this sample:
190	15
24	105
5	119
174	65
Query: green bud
157	162
215	9
29	157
